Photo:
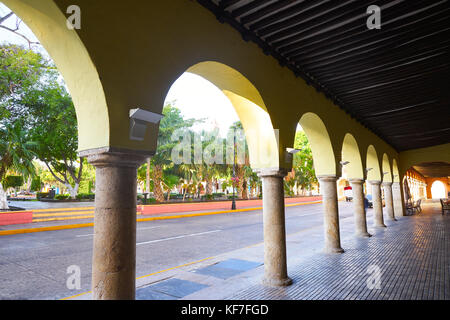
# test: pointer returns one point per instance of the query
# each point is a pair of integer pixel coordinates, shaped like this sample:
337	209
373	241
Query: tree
243	170
30	92
12	182
172	121
16	154
54	129
16	28
302	174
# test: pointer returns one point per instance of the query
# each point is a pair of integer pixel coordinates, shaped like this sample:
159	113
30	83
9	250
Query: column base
392	219
380	226
277	282
333	250
363	235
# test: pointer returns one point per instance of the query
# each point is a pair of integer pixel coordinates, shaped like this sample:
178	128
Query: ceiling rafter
394	81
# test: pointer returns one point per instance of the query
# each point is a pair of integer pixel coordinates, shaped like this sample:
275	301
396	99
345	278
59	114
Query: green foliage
32	98
40	195
85	196
36	184
21	70
303	174
62	196
172	121
16	151
12	182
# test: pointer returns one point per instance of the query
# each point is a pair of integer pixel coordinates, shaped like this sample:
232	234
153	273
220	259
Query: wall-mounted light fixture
289	154
293	150
139	119
344	163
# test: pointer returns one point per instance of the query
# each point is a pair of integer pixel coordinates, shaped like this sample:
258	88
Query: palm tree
16	154
243	170
172	120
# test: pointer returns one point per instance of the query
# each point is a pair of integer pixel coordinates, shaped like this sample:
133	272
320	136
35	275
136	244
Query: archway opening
301	180
438	190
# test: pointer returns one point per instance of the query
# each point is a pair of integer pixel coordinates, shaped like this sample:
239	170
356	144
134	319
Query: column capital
386	184
356	181
375	182
271	172
116	159
327	178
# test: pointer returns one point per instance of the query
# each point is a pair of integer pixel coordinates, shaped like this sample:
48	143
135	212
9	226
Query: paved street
34	266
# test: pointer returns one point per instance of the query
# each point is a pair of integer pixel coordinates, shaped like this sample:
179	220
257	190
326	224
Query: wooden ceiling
395	81
433	169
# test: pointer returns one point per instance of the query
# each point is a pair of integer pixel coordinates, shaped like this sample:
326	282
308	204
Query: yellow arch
395	172
350	152
322	150
48	23
387	173
372	163
250	107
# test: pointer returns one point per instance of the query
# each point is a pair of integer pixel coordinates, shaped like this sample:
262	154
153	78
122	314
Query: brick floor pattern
412	255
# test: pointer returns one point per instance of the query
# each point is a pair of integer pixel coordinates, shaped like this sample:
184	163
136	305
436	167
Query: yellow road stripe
65	218
62	209
39	215
147	275
76	295
40	229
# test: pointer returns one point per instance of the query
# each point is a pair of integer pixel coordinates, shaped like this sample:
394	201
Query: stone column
387	186
399	210
114	254
275	265
377	204
359	210
331	214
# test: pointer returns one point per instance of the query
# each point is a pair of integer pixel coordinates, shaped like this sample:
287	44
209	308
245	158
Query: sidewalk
410	256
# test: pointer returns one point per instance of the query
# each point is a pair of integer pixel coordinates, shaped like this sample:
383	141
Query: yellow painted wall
439	153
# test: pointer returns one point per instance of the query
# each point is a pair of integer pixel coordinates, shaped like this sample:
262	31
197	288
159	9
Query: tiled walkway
411	258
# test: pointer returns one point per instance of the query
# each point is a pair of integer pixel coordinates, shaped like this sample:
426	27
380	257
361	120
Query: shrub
40	195
86	196
218	194
62	196
207	197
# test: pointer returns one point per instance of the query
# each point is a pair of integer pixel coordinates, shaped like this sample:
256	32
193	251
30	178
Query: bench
417	206
445	205
413	206
409	207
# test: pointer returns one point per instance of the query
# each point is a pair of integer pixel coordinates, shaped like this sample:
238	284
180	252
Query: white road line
138	229
84	235
147	228
178	237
